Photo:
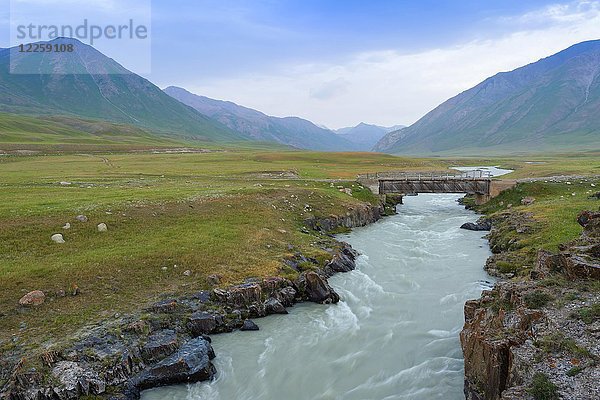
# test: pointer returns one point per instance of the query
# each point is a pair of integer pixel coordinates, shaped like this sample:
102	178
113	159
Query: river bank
536	334
394	333
167	342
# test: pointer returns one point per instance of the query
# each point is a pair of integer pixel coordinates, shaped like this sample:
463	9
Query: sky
339	63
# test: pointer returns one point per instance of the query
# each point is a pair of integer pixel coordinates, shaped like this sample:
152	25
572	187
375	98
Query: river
394	335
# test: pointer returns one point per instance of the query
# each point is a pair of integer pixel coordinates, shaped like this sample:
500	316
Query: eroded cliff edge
536	335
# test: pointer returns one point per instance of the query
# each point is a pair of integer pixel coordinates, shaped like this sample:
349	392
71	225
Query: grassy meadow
232	211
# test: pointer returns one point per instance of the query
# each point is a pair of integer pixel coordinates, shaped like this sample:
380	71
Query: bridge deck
476	182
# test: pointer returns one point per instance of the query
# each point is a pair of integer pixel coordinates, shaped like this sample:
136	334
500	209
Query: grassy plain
232	211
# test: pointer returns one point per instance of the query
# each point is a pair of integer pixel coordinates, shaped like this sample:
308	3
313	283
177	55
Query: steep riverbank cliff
536	335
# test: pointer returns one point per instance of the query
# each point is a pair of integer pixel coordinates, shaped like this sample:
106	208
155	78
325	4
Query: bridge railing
429	176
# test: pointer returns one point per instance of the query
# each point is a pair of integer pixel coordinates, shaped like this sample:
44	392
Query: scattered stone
65	183
213	279
526	201
187	272
102	227
249	325
281	231
67	226
61	293
35	298
57	238
81	218
74	289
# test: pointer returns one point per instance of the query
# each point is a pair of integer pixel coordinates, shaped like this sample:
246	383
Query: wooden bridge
478	183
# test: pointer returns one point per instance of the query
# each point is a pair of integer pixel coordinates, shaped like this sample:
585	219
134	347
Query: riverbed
394	335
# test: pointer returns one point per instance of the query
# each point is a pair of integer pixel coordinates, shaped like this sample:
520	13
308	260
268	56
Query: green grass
542	388
222	212
589	314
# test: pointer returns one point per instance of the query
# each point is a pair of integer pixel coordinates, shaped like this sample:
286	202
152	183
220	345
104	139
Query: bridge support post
482	198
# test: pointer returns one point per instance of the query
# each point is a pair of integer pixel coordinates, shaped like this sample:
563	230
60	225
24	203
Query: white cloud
389	87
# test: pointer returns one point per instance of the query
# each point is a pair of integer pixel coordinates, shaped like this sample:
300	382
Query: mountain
255	125
548	105
85	83
365	135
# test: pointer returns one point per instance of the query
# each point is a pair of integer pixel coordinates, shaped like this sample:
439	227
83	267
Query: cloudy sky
338	63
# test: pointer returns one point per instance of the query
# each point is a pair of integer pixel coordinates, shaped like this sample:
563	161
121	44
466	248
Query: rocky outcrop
494	324
191	363
520	329
361	215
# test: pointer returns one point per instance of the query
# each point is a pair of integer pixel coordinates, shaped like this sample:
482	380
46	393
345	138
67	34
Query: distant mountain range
365	135
255	125
552	104
88	84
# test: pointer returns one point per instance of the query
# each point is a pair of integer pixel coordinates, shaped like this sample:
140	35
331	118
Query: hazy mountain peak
365	135
255	125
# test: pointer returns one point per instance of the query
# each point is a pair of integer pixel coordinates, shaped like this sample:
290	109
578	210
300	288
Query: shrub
542	389
590	314
506	268
537	299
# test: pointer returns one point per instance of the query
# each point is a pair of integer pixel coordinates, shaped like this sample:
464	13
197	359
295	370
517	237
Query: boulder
315	288
57	238
202	323
102	227
590	221
249	325
274	306
159	345
213	279
35	298
482	224
191	363
342	261
287	296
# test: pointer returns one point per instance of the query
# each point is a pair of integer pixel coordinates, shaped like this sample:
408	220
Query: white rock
67	226
81	218
187	272
64	183
102	227
57	238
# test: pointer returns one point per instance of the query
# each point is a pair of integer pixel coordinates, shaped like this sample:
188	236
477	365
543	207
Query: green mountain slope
87	84
255	125
549	105
44	130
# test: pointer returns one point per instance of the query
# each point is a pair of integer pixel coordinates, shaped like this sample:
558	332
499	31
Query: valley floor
179	222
